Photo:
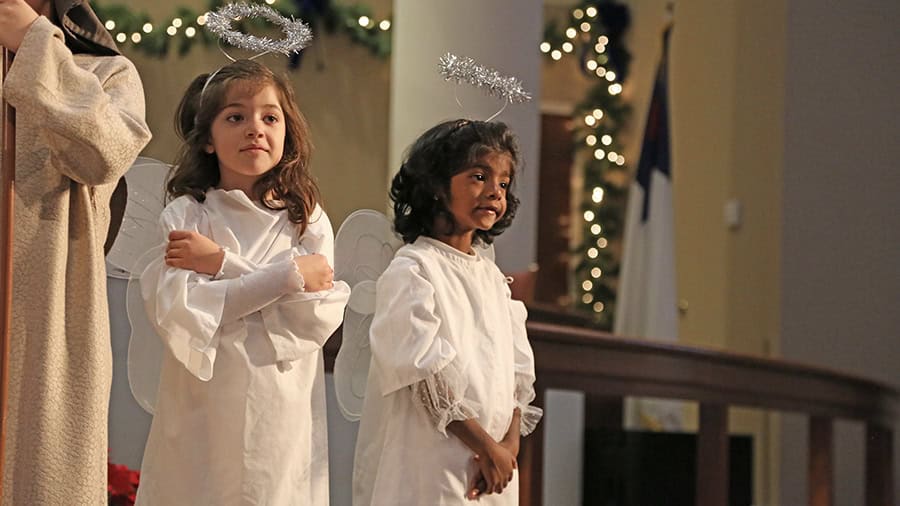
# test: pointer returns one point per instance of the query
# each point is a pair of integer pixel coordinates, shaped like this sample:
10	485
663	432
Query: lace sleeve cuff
530	415
439	395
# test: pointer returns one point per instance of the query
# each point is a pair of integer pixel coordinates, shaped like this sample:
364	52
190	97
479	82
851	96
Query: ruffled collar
448	251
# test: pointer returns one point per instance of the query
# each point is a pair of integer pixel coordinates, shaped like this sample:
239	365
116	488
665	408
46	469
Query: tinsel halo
297	34
464	69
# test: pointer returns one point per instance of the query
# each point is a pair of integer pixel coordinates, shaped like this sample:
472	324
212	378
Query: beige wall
341	88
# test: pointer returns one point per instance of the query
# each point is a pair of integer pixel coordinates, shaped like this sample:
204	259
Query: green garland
600	117
183	29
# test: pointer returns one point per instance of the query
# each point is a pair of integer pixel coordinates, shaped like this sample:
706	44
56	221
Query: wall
840	278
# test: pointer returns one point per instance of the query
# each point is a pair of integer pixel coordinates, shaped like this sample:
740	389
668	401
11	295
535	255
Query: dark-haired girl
452	374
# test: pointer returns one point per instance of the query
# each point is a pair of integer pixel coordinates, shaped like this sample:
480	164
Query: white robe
439	312
240	415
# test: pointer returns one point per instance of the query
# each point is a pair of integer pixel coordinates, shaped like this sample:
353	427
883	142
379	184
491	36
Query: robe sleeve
300	322
524	369
405	334
184	307
94	129
440	396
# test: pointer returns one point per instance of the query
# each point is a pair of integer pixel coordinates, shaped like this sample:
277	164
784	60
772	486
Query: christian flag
646	303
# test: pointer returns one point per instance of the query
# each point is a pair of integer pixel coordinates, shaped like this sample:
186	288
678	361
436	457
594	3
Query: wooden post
531	461
821	462
879	466
712	456
7	202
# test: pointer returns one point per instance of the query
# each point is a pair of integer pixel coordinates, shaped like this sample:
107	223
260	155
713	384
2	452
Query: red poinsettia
122	484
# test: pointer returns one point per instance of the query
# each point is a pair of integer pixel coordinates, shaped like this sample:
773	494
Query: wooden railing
568	357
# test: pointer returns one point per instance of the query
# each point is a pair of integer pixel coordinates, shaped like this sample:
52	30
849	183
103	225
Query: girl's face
478	193
247	136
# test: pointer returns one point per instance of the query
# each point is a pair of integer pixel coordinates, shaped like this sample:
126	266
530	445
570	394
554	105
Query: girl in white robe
243	301
452	372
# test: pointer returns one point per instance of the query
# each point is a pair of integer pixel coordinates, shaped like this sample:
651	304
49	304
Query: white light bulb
147	28
545	47
190	32
596	229
591	140
364	21
177	22
135	37
567	47
591	11
599	154
385	25
606	140
590	120
110	25
571	32
556	54
121	37
171	30
589	215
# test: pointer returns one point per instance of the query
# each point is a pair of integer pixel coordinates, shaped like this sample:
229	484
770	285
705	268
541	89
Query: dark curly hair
421	189
289	185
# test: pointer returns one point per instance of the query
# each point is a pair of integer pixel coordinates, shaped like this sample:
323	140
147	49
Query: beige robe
80	125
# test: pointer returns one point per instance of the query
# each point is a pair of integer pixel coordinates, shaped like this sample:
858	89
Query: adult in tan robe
79	126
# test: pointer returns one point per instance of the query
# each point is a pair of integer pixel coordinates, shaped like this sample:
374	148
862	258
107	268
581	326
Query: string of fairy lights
598	120
184	28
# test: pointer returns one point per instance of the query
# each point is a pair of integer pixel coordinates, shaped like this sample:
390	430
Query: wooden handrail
597	362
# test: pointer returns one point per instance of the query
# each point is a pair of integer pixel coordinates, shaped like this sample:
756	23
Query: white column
502	34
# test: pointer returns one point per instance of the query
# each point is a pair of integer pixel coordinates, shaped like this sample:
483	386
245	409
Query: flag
646	304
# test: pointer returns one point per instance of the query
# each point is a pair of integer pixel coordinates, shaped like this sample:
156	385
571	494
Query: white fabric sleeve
442	396
299	323
251	292
94	129
405	335
525	377
185	308
234	265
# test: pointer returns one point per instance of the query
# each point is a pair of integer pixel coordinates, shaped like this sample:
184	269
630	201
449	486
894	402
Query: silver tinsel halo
464	69
297	34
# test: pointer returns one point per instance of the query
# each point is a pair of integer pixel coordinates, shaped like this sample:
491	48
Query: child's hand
477	486
16	17
317	274
496	465
193	251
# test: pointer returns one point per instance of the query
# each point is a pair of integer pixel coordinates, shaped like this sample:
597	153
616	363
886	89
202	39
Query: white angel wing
145	348
140	226
363	247
139	241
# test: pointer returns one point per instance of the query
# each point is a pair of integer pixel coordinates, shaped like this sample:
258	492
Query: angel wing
140	225
139	241
363	247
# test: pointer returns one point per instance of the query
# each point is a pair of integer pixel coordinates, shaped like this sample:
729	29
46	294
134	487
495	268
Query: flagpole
7	202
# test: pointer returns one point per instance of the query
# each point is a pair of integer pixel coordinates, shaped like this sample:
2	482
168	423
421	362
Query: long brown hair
288	185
